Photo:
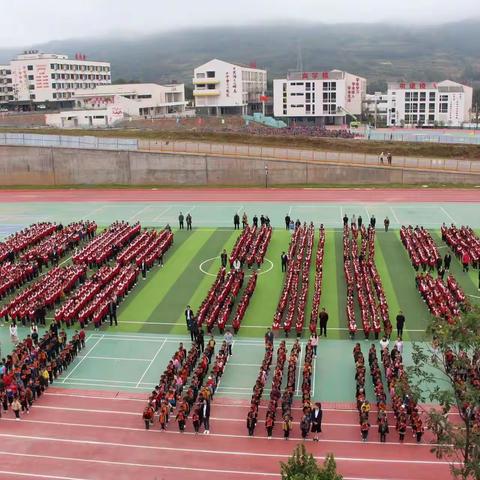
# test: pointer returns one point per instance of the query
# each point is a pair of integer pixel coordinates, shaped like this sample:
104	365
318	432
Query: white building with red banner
108	104
51	80
428	104
222	88
322	98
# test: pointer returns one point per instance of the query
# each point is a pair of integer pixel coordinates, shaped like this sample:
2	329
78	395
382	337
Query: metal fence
68	141
311	156
426	137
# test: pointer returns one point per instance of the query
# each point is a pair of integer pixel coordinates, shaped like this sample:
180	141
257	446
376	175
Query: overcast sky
27	22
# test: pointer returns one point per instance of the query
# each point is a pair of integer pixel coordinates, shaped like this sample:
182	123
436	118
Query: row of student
33	365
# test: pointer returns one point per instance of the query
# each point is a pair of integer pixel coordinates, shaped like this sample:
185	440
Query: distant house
222	88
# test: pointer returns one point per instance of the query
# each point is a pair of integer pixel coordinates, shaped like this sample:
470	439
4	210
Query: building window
32	96
444	108
431	107
431	118
431	96
30	67
30	77
210	74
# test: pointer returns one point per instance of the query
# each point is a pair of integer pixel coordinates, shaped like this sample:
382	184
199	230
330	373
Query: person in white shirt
228	337
399	345
314	342
384	342
237	265
14	333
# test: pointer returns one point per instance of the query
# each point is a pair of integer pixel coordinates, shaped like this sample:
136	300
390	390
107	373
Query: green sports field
157	304
131	356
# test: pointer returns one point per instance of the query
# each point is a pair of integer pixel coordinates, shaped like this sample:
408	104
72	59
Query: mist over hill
380	52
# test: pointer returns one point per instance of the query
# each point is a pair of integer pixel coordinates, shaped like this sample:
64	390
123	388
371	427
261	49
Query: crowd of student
219	301
106	245
173	397
464	243
33	365
404	407
295	287
301	131
243	304
465	371
317	293
56	245
14	275
420	246
251	245
252	416
145	249
30	304
23	239
444	300
362	277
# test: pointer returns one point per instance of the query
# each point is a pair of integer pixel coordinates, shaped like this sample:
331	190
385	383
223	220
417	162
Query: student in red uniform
402	429
148	416
196	421
181	418
364	428
251	422
269	425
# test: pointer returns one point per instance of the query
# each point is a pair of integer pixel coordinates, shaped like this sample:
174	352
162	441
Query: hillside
380	52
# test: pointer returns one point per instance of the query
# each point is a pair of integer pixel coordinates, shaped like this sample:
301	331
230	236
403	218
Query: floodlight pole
266	176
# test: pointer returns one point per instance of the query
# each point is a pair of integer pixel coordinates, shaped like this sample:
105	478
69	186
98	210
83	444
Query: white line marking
395	216
225	435
178	448
90	214
162	213
447	214
299	369
119	358
82	359
38	475
137	214
313	374
191	210
130	464
151	362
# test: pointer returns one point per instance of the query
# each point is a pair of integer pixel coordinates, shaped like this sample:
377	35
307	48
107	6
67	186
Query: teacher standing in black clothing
400	323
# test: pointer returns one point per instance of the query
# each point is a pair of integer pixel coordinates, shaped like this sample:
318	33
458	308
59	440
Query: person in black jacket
112	310
201	340
284	258
224	258
400	323
323	317
447	260
205	415
287	222
189	320
236	222
316	420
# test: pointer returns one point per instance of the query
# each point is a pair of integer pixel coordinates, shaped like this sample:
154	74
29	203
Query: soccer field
157	304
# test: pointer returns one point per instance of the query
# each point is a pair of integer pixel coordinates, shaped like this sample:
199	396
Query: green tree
447	374
303	466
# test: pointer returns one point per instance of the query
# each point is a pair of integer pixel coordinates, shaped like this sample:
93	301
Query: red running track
86	435
287	195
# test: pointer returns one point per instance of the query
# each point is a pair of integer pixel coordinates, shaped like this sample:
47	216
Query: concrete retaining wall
58	166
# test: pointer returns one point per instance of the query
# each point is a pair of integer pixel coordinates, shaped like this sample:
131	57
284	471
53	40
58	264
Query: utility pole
266	176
